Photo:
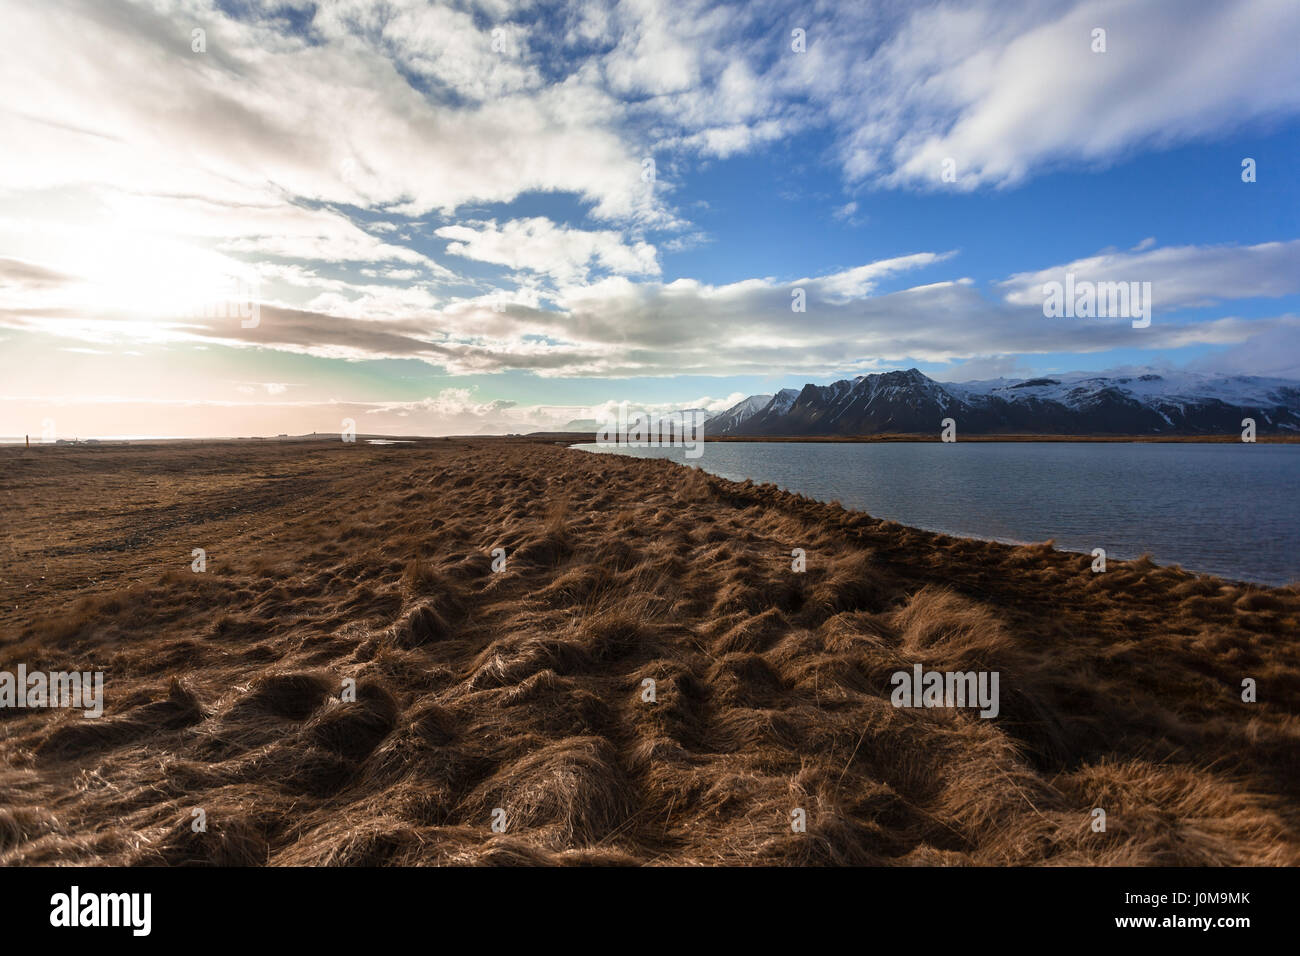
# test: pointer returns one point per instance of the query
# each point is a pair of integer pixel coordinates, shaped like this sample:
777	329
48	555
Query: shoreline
1111	556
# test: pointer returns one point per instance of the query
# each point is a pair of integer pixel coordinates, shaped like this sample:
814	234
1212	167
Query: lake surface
1227	509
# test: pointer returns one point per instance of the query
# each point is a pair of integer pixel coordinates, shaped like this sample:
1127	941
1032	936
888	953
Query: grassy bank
524	690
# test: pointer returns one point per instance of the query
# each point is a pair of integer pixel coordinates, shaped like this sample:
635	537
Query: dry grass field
522	690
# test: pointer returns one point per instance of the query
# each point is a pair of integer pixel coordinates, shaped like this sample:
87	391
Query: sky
254	218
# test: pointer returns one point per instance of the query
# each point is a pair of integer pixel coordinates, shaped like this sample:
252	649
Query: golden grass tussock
650	676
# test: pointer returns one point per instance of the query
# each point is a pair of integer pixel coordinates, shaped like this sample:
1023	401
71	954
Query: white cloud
1274	352
541	246
124	101
862	280
1008	90
1180	276
617	327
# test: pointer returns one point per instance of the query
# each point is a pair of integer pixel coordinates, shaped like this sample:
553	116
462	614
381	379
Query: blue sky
500	215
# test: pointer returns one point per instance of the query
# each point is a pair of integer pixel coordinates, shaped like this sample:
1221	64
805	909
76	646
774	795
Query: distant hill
579	425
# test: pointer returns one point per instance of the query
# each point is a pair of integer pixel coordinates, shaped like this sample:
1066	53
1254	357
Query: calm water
1226	509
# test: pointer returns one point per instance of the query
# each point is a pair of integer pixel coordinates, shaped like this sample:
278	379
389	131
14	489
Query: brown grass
522	691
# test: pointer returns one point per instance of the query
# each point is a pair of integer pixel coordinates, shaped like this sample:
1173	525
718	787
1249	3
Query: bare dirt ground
523	690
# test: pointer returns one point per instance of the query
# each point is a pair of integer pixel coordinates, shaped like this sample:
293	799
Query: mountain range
1078	403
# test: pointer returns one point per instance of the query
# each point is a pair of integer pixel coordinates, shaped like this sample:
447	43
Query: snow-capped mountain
1116	403
738	413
